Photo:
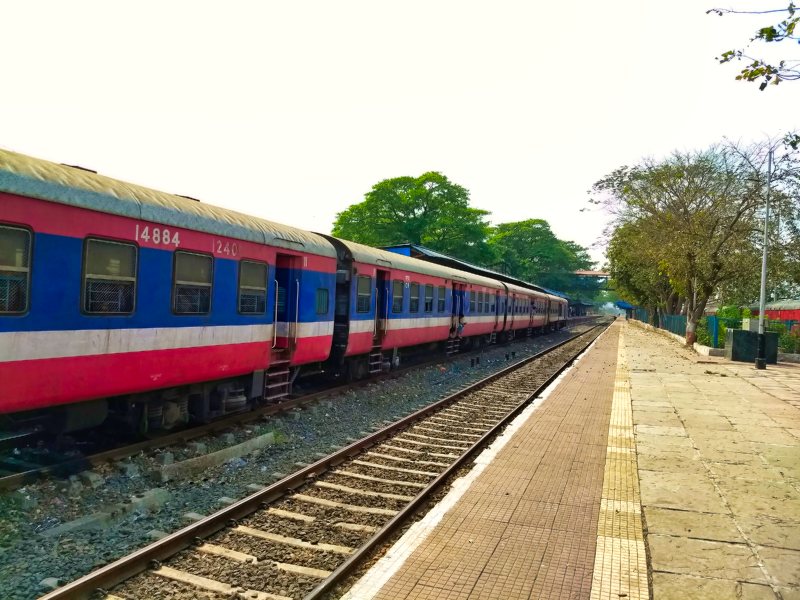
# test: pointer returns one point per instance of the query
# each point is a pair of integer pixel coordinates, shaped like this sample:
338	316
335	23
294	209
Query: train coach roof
376	256
786	304
36	178
524	290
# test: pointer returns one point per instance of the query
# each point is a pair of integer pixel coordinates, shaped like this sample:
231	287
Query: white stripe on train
36	345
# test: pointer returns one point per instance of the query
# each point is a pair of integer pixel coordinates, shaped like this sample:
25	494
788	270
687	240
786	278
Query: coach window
109	277
414	302
472	302
428	298
364	293
192	290
397	296
322	301
440	300
15	266
252	288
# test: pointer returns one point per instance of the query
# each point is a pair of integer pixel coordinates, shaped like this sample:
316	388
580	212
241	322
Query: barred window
414	298
252	288
364	294
440	299
192	291
428	298
322	301
397	296
472	302
109	277
15	252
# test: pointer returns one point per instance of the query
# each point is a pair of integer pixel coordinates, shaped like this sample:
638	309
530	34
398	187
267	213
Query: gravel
27	557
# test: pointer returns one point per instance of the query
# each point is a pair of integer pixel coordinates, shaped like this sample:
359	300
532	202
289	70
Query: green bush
789	342
723	334
703	334
730	312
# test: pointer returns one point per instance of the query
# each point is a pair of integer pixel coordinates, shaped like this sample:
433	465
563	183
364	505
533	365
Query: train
156	309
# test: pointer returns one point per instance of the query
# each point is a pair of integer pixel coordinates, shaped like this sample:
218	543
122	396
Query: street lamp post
761	360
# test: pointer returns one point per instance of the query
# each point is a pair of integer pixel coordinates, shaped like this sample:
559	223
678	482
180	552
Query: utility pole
761	360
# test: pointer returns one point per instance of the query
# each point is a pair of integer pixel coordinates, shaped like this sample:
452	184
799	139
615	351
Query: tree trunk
691	333
693	315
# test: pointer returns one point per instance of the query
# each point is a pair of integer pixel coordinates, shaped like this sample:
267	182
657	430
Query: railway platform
645	471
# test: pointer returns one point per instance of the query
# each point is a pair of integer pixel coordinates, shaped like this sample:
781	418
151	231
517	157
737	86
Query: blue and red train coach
108	289
115	297
386	301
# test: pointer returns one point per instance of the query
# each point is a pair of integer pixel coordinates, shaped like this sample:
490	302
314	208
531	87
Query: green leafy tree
429	210
530	250
690	221
636	270
759	69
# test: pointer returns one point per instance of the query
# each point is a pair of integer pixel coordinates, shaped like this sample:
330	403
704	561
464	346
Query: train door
496	307
529	305
502	307
382	296
286	330
457	307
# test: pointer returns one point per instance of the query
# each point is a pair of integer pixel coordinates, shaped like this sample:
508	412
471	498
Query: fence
712	330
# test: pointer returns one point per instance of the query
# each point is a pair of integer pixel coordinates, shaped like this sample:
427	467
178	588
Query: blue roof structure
418	251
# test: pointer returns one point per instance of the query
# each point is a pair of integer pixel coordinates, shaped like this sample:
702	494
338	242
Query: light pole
761	360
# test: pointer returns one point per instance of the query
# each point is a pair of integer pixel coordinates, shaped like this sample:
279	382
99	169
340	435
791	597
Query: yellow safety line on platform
620	563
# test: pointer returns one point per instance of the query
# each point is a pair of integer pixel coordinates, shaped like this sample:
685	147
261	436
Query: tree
637	271
432	211
759	69
692	219
529	250
429	210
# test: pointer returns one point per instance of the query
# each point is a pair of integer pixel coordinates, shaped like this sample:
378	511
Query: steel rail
398	520
126	567
17	480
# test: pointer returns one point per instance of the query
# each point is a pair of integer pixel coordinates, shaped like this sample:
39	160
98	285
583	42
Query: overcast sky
292	110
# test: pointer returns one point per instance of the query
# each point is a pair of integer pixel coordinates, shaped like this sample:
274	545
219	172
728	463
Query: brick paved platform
641	435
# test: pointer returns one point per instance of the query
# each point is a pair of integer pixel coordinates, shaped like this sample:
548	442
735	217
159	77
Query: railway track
299	537
26	472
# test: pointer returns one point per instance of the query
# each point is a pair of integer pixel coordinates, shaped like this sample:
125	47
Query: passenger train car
159	308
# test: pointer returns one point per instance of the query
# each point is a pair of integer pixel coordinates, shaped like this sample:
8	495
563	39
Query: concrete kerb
198	464
146	503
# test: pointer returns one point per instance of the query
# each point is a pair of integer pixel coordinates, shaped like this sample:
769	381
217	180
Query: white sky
292	110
